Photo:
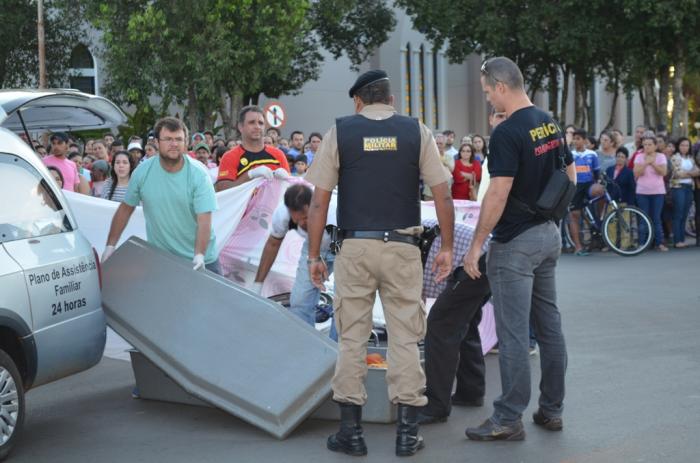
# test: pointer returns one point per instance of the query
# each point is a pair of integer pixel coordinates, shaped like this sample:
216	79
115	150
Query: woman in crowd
607	156
683	172
621	185
649	170
116	185
466	174
57	176
480	148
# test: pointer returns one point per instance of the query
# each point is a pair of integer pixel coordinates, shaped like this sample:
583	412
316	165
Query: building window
407	79
82	70
421	85
436	90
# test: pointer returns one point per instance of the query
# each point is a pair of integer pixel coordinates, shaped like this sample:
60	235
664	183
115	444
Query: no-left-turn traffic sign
275	114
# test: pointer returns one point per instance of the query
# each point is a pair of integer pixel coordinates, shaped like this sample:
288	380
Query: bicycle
690	223
626	230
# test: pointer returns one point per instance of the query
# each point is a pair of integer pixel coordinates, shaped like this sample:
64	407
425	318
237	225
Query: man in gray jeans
523	154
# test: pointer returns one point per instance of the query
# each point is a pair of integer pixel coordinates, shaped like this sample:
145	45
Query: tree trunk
679	126
192	110
664	87
613	106
580	101
226	118
553	88
236	104
564	94
650	103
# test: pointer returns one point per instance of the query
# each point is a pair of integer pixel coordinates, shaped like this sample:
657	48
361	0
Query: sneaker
489	430
478	402
582	252
533	350
662	248
135	393
550	424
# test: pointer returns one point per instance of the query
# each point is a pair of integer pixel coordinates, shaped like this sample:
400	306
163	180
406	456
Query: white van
51	319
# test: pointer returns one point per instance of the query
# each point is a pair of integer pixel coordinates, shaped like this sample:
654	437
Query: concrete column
428	90
415	88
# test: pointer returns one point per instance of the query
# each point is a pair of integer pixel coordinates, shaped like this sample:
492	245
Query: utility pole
42	50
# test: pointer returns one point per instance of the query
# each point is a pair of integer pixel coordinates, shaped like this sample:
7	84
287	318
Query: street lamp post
42	50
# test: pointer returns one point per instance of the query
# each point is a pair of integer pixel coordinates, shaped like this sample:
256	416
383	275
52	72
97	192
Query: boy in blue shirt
587	173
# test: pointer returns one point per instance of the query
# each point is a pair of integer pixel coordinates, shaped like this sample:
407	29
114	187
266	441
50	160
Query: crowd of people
658	174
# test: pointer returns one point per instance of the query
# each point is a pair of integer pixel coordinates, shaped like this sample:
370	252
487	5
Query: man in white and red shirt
57	159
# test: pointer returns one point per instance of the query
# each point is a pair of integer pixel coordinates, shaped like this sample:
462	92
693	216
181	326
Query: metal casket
218	341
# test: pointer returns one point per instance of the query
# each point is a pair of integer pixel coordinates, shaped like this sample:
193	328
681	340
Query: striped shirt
463	237
119	191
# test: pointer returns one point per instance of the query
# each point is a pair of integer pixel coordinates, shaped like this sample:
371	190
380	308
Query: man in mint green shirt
177	197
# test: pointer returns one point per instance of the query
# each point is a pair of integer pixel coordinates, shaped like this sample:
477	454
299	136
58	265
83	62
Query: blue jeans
652	206
522	277
305	295
682	199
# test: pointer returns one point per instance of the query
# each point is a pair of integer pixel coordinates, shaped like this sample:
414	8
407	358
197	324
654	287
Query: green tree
215	55
19	63
633	44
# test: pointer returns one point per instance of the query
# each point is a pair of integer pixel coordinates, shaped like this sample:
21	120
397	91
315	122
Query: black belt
381	235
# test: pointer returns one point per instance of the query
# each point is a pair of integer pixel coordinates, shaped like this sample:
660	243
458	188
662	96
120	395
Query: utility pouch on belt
336	242
426	241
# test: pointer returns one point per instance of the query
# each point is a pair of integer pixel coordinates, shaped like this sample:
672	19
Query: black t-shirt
526	146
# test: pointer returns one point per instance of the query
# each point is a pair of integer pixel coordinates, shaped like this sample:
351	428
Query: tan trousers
362	268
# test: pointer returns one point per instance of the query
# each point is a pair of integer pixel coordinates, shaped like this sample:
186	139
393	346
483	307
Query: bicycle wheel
627	231
690	222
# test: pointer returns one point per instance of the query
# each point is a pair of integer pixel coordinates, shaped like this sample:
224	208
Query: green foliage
626	41
208	53
19	62
355	27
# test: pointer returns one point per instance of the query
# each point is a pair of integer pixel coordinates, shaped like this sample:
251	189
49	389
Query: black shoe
489	430
550	424
349	440
425	417
408	442
478	402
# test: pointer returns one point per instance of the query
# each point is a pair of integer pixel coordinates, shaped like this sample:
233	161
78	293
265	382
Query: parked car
51	319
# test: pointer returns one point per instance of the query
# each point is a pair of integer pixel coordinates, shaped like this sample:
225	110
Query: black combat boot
408	442
349	439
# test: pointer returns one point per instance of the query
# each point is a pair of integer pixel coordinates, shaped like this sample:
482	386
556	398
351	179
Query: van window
29	207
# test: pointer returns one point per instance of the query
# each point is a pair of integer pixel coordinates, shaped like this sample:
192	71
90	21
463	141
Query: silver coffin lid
220	342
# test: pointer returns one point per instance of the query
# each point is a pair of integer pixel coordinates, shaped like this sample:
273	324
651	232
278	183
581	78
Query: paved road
633	332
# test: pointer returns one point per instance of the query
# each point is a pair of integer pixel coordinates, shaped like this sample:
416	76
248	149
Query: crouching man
293	215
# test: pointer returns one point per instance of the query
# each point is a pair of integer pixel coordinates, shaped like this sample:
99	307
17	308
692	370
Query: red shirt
630	164
461	186
238	161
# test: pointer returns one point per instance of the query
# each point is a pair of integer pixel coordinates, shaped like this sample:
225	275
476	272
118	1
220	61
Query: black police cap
367	78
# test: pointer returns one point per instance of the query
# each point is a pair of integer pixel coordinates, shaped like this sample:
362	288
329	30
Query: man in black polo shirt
524	151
